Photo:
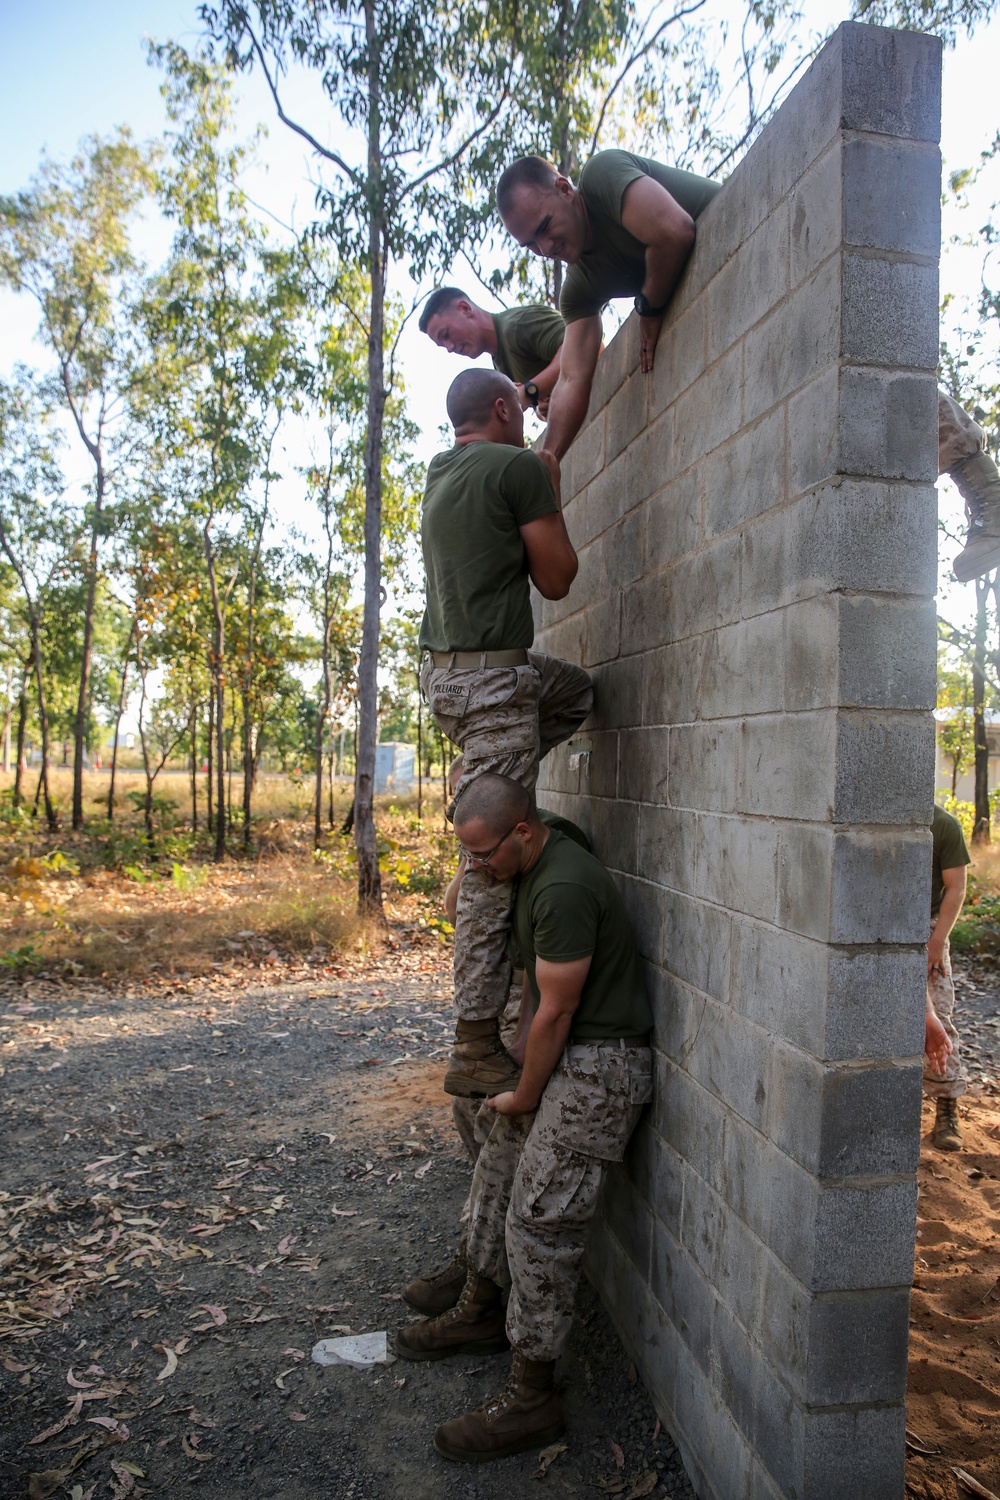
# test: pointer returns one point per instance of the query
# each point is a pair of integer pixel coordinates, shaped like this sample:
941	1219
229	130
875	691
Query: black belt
517	657
608	1041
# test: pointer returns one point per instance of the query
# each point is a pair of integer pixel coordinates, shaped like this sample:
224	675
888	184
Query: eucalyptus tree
64	241
417	88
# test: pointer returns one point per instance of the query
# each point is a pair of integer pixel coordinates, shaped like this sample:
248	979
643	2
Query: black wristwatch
644	310
532	392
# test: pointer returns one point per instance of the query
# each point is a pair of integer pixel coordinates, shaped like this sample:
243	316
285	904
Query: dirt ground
201	1180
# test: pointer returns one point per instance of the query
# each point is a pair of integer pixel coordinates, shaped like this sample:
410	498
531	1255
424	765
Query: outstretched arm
571	395
546	382
667	231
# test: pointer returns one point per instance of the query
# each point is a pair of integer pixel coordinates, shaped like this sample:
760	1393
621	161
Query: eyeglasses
484	859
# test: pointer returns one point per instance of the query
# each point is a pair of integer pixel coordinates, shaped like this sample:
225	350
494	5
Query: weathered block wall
756	523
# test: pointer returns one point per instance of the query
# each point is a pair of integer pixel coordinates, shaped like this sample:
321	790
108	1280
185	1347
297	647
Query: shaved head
472	396
495	801
527	171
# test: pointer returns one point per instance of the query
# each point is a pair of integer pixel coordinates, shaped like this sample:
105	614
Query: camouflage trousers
958	435
953	1082
536	1185
504	719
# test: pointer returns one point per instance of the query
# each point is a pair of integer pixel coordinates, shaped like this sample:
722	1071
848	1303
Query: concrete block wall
757	530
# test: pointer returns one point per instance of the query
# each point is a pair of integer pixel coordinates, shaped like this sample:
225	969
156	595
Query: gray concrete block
628	1218
762	1405
708	413
717	1456
887	653
892	195
670	848
846	1121
645	904
617	694
805	879
647	613
853	1453
890	312
858	1347
704	766
789	764
719	231
880	888
816	214
862	1237
779	980
691	1123
680	353
731	1057
697	943
645	762
672	682
737	864
615	364
604	501
885	767
623	550
774	1195
674	525
890	81
746	475
782	1322
648	459
800	338
627	413
682	1291
875	1004
749	285
703	592
585	459
810	667
740	668
602	768
615	834
602	630
888	424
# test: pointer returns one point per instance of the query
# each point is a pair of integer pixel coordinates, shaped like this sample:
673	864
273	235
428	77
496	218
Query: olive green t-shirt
949	852
527	340
615	264
564	825
476	498
566	907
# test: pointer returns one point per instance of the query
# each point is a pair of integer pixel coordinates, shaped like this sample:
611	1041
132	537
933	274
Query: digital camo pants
504	719
958	435
953	1082
536	1183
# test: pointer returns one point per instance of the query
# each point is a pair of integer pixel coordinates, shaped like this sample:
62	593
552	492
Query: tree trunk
193	736
210	754
22	725
118	725
43	720
83	696
981	824
322	717
420	745
369	879
247	767
218	675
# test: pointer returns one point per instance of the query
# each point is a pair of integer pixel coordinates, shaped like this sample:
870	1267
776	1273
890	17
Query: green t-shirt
476	498
615	264
949	852
564	825
567	906
527	340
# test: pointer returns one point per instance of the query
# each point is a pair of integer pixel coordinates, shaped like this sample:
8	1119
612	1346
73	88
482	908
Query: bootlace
448	1272
465	1297
500	1403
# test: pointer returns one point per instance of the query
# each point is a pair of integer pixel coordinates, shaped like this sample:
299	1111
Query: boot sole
498	1345
520	1445
966	569
464	1086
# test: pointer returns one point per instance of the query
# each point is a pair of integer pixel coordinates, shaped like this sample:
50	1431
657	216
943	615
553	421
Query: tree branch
324	151
639	53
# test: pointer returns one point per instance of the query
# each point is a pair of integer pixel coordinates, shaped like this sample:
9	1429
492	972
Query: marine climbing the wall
524	343
963	457
627	230
587	1075
491	521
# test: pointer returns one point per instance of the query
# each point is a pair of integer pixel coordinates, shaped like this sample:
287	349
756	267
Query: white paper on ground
360	1351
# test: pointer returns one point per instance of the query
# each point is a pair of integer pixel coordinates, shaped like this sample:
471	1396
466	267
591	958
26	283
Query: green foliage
22	959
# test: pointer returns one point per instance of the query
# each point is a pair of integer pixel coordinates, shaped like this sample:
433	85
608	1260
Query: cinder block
789	764
705	591
623	552
602	630
708	413
862	1237
670	848
746	475
780	981
628	1218
890	312
690	1122
880	887
704	766
644	903
615	837
749	285
857	1347
731	1057
853	1453
718	232
810	667
891	81
605	501
674	527
885	767
875	1004
800	337
617	694
844	1121
647	613
892	195
648	467
645	777
805	879
585	459
782	1323
761	1404
697	943
627	413
683	1292
615	365
773	1194
737	864
888	424
741	668
672	682
680	353
817	214
887	653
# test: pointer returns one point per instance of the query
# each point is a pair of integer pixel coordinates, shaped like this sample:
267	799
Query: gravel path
201	1181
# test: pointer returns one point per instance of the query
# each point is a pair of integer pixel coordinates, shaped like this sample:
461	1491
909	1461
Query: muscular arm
560	987
571	393
667	231
552	560
951	906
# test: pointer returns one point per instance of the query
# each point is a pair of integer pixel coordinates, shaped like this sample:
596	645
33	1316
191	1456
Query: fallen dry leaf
297	1416
425	1168
547	1458
202	1458
645	1485
171	1364
294	1353
196	1417
286	1244
43	1484
619	1456
970	1482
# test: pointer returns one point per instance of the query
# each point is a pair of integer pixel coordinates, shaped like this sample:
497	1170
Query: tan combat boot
480	1063
475	1325
946	1134
526	1414
438	1290
979	485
